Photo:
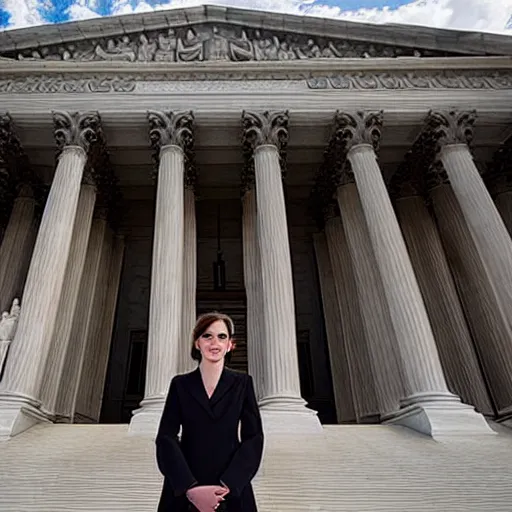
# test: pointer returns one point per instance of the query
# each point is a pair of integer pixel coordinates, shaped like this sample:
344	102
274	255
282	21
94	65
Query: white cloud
23	13
478	15
82	12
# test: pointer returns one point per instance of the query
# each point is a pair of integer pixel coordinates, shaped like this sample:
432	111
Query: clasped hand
207	497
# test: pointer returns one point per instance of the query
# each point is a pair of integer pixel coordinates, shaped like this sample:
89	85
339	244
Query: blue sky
480	15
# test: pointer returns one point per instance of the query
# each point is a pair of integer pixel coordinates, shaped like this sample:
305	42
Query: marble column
172	137
486	319
17	246
453	132
282	407
82	325
338	355
429	407
354	336
376	318
94	360
188	316
253	291
62	333
107	324
21	385
451	332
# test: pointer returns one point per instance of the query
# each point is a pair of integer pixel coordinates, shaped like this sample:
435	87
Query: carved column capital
248	177
360	128
451	127
263	129
76	129
267	128
343	174
436	176
331	210
171	129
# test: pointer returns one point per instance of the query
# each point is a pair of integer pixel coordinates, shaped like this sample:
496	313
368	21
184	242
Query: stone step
56	468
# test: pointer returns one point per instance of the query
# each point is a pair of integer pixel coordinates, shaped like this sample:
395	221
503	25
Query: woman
210	467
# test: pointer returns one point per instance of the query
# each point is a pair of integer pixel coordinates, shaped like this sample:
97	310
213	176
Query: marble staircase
57	468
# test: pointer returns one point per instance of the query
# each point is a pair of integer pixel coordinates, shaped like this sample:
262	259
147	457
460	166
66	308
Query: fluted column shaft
446	315
483	219
354	336
281	363
166	275
68	299
107	323
422	368
189	281
338	355
486	318
81	325
252	281
376	319
88	396
29	349
17	246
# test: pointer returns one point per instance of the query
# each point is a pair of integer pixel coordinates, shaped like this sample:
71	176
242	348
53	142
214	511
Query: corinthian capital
9	141
268	128
436	176
361	128
77	129
451	127
171	129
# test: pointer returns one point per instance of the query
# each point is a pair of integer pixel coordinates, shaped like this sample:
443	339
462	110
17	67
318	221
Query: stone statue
241	49
8	325
217	46
167	45
191	48
147	49
121	50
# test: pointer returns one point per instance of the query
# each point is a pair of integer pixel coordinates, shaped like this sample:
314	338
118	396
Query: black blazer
210	450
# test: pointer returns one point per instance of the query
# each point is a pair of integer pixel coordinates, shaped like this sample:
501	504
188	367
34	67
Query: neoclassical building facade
343	191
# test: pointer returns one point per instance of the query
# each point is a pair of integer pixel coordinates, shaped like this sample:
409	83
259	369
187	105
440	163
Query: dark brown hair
202	324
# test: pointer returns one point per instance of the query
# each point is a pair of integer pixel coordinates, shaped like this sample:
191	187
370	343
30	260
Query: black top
210	450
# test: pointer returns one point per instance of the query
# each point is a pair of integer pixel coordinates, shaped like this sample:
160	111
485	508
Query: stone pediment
225	34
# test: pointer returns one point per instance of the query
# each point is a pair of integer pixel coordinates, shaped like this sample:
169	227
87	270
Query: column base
17	414
146	420
439	416
288	415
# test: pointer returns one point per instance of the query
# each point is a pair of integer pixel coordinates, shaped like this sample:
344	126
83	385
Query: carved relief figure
217	46
120	51
191	48
147	49
241	49
221	43
167	46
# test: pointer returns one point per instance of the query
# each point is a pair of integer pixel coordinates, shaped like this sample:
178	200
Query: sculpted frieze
206	80
209	42
415	80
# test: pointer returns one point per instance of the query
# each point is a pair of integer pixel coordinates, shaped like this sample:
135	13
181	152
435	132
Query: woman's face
215	342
